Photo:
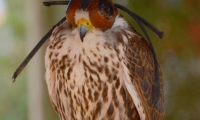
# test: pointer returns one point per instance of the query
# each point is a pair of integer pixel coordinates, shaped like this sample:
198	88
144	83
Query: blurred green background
24	22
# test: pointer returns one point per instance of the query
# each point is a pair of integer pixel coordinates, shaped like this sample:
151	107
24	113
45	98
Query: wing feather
140	64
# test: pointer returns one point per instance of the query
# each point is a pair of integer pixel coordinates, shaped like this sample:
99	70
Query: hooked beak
84	27
83	31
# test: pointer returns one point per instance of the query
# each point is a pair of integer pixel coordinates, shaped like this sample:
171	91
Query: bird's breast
85	79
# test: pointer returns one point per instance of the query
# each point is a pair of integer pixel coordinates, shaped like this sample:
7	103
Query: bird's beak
83	31
84	27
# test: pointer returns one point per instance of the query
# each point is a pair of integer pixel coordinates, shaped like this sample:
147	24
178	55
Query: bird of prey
99	68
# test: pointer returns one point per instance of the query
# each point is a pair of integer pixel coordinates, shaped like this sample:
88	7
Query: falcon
99	68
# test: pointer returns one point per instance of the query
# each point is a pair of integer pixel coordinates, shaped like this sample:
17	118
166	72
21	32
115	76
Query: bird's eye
106	9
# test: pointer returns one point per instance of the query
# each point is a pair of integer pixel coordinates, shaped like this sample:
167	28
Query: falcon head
90	14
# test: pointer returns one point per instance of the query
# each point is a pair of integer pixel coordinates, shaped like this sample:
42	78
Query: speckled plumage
108	76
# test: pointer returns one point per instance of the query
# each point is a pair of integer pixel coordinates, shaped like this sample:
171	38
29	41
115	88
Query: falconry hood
99	14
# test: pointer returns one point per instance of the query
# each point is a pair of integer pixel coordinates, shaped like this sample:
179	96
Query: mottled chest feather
85	79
